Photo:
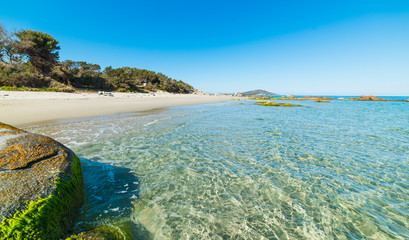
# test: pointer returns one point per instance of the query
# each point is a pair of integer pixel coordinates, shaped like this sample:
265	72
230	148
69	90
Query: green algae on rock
121	230
41	186
273	104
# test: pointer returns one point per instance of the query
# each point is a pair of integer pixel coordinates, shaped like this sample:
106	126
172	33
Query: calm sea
236	170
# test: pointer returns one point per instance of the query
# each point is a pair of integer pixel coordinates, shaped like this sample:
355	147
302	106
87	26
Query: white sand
30	108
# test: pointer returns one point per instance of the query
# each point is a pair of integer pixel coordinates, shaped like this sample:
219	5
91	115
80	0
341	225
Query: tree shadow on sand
109	192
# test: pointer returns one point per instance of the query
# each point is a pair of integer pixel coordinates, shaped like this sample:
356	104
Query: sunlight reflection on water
229	171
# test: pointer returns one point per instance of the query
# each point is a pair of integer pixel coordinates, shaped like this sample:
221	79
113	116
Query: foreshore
22	109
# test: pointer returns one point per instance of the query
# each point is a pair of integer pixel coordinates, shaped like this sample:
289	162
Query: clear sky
348	47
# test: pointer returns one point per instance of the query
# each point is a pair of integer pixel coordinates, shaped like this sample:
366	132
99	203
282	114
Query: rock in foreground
41	186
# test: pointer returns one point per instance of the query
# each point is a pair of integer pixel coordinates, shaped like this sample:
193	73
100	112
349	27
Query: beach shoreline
24	109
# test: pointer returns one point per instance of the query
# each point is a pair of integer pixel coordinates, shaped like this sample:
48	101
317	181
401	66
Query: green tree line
31	59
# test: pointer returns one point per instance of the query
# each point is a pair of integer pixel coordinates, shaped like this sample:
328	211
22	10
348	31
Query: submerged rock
41	186
273	104
125	230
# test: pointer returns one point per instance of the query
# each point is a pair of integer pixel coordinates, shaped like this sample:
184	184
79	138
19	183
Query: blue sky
289	47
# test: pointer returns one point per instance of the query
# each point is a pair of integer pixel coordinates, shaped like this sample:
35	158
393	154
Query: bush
24	79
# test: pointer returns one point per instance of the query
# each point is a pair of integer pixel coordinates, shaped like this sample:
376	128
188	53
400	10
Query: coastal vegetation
29	60
274	104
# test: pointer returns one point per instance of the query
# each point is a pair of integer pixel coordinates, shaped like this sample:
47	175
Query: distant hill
258	92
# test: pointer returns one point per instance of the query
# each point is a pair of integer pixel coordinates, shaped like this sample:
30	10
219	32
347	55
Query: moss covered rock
274	104
41	186
124	230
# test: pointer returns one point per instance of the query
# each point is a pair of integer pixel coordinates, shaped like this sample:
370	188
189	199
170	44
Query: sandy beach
22	109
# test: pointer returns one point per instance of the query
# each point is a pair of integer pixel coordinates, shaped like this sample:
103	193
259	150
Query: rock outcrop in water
41	186
291	97
368	98
273	104
315	98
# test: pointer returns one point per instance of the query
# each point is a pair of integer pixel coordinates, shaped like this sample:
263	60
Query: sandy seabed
22	109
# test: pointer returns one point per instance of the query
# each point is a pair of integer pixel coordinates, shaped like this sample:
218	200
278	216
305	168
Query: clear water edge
239	171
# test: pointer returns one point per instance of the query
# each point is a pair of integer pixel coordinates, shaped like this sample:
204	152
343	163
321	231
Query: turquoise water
236	170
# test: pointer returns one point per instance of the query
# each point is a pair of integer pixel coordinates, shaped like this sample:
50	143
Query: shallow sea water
236	170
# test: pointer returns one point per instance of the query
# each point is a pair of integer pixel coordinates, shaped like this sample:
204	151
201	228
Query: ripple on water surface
240	171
